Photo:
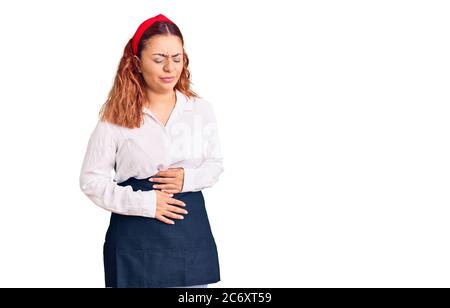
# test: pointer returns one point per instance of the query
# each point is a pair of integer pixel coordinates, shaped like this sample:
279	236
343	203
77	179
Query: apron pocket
144	268
129	269
202	264
163	266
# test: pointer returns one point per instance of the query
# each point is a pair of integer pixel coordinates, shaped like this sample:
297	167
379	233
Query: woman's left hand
169	181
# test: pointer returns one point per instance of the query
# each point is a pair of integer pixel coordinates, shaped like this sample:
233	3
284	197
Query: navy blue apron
141	252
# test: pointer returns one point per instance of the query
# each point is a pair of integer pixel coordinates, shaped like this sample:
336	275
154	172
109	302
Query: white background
333	117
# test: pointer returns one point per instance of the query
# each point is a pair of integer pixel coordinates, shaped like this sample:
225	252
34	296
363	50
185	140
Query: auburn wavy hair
124	104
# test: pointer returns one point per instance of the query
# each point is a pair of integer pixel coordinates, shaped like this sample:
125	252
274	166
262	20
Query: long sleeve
98	185
207	174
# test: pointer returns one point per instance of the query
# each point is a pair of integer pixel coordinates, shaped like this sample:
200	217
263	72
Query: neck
157	99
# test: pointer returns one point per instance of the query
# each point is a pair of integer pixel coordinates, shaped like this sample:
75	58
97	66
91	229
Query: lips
167	79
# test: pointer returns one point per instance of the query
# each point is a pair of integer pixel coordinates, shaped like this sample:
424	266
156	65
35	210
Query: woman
161	140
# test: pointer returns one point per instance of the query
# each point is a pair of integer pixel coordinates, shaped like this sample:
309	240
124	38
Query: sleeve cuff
149	206
189	180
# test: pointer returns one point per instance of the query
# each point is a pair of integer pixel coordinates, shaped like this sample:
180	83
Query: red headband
144	26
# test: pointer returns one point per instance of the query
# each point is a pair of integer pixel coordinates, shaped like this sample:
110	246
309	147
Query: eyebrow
163	55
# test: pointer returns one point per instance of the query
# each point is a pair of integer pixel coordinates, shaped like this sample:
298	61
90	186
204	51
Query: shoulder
202	106
105	130
105	126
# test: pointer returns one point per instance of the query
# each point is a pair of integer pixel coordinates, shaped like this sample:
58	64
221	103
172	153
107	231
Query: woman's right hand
165	207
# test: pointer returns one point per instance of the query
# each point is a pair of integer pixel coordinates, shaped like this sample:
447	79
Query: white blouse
114	154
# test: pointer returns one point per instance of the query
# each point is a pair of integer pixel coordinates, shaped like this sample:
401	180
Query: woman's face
162	57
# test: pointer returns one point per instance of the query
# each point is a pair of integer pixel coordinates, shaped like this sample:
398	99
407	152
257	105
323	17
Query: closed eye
174	60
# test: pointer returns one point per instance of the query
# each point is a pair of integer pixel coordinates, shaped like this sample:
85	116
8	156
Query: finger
164	173
173	215
175	170
165	186
177	209
172	191
176	202
170	173
167	193
163	193
165	220
162	180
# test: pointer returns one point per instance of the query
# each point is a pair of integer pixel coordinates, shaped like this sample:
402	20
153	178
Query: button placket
166	145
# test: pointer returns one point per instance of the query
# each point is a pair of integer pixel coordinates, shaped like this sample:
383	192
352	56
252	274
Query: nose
168	67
